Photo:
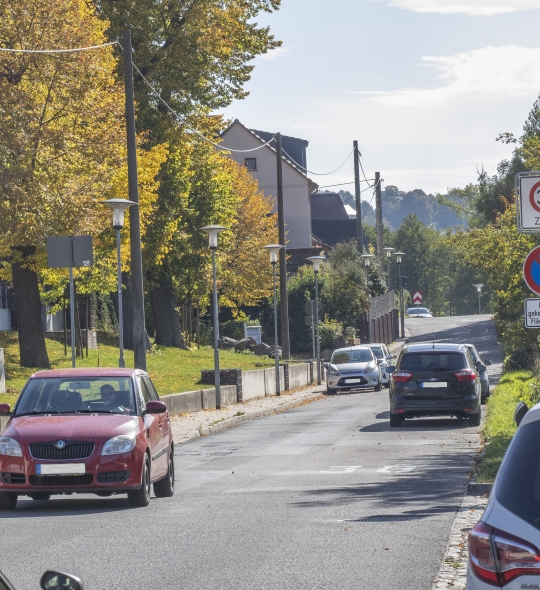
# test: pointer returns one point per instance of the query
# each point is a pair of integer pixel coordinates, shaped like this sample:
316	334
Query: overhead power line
71	50
317	173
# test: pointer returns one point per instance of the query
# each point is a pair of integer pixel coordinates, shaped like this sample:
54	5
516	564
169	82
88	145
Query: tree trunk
33	351
166	320
127	312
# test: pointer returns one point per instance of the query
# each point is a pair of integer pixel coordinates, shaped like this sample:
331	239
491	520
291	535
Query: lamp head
367	259
213	232
388	251
479	287
398	256
273	250
316	261
118	207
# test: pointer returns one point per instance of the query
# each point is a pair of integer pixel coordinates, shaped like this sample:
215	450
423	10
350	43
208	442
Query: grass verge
171	369
499	427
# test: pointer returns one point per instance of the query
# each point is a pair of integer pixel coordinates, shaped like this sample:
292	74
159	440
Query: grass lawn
499	427
172	370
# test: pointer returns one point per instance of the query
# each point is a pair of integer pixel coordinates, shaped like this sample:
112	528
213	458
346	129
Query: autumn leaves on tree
62	151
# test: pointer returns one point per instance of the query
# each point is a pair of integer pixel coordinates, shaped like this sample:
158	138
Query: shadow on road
59	506
429	490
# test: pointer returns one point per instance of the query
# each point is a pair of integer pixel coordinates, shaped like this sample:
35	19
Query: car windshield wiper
34	413
88	411
439	369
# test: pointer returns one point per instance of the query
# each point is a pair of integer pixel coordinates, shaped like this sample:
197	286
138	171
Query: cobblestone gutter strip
453	572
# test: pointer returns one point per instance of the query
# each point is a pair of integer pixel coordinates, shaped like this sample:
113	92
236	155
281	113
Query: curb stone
453	572
234	420
478	489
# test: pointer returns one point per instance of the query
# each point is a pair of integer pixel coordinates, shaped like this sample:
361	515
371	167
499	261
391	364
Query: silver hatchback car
504	546
353	368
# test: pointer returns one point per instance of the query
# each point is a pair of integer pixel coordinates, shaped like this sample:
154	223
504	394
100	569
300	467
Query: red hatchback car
100	431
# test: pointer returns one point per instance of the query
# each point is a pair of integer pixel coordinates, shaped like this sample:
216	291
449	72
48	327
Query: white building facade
262	164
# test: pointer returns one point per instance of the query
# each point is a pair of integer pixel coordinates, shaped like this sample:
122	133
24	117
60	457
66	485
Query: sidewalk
186	427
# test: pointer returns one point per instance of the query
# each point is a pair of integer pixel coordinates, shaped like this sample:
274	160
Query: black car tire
141	497
395	420
8	501
378	387
164	488
330	390
43	496
474	419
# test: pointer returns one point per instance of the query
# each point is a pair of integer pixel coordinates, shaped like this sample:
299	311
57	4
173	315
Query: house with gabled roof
262	164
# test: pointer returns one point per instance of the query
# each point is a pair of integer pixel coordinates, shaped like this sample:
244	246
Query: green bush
235	328
329	330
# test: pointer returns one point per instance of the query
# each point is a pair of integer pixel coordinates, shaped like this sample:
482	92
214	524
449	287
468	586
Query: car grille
49	452
61	481
112	476
13	478
362	380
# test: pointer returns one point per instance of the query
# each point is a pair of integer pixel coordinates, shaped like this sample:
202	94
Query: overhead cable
73	49
317	173
183	120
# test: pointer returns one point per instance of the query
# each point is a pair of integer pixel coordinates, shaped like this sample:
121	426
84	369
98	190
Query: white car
504	546
384	359
418	312
354	367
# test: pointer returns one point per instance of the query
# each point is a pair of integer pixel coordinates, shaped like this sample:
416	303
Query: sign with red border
531	270
528	202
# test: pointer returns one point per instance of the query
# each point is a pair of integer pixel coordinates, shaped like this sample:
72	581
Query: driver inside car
108	397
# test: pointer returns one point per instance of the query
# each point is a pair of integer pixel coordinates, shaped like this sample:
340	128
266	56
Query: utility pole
378	216
359	233
283	296
139	329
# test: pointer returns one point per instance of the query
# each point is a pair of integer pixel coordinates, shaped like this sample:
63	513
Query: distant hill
398	204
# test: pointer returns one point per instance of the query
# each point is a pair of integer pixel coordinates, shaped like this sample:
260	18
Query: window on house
251	163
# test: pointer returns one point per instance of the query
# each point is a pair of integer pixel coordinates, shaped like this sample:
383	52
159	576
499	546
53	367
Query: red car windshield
63	395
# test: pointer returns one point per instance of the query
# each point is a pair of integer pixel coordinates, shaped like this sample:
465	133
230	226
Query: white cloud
274	53
488	73
471	7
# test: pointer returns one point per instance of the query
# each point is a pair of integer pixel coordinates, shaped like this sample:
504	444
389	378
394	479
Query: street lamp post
388	251
118	207
273	250
367	261
213	232
398	256
479	289
316	261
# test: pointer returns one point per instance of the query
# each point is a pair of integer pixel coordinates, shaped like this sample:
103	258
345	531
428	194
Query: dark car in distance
432	379
101	431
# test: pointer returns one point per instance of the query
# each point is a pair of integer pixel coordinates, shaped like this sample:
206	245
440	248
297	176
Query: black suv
435	380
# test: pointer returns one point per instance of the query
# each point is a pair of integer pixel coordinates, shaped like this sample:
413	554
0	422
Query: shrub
329	330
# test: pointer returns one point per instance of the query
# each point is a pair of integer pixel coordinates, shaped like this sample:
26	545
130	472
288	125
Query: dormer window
250	163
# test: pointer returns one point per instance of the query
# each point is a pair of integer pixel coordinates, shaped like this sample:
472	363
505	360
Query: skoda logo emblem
60	444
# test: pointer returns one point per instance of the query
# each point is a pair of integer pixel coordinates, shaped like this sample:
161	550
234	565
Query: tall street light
388	251
479	289
273	250
398	256
316	261
213	232
118	207
367	261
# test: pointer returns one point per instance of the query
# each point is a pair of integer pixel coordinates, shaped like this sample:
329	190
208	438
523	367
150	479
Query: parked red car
100	431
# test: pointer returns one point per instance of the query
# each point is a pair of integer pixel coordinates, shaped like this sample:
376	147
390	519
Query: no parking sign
531	270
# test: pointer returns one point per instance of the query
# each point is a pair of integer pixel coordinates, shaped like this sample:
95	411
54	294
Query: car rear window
433	361
518	486
67	395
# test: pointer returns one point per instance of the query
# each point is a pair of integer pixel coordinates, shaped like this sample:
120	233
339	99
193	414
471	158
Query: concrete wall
298	375
295	184
253	384
270	380
201	399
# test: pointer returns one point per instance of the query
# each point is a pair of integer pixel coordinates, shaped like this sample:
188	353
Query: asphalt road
322	496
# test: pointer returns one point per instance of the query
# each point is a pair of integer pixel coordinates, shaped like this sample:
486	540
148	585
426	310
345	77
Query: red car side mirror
4	409
155	407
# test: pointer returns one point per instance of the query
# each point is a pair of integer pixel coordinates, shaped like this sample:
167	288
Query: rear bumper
442	407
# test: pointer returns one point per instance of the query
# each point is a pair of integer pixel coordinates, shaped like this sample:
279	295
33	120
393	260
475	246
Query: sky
425	86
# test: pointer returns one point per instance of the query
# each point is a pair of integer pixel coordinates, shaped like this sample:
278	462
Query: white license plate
434	384
61	469
353	380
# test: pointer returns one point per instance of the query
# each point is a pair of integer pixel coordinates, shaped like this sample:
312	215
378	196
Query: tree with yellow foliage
61	141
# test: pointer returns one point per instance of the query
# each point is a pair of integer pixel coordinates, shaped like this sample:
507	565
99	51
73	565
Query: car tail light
465	375
497	557
401	376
